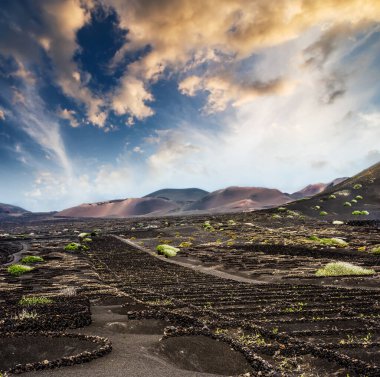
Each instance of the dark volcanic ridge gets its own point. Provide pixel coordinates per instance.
(354, 198)
(8, 209)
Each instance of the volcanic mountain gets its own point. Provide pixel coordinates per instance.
(347, 198)
(8, 209)
(122, 208)
(316, 188)
(241, 198)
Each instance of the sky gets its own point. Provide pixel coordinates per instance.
(118, 98)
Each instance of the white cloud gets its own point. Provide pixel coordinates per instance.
(2, 115)
(138, 150)
(70, 116)
(130, 98)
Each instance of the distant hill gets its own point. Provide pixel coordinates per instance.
(358, 193)
(311, 200)
(8, 209)
(122, 208)
(316, 188)
(179, 195)
(241, 198)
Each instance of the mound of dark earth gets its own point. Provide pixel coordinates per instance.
(241, 198)
(203, 354)
(8, 209)
(346, 199)
(179, 195)
(122, 208)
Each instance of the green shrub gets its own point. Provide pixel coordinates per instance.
(73, 246)
(323, 213)
(375, 250)
(19, 269)
(317, 208)
(360, 213)
(281, 209)
(208, 226)
(87, 239)
(338, 222)
(35, 300)
(167, 250)
(354, 201)
(342, 269)
(231, 222)
(358, 186)
(332, 196)
(30, 259)
(83, 235)
(347, 204)
(276, 216)
(358, 197)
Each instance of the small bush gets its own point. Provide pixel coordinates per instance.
(358, 197)
(281, 209)
(30, 259)
(317, 208)
(35, 300)
(83, 235)
(347, 204)
(358, 186)
(231, 222)
(375, 250)
(323, 213)
(360, 213)
(87, 239)
(276, 216)
(73, 246)
(208, 226)
(332, 196)
(354, 201)
(167, 250)
(342, 269)
(19, 269)
(338, 222)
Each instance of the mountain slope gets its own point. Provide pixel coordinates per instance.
(240, 198)
(358, 193)
(121, 208)
(179, 195)
(8, 209)
(316, 188)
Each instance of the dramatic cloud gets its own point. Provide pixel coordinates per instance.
(223, 90)
(204, 93)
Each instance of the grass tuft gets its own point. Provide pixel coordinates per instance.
(19, 269)
(35, 300)
(30, 259)
(343, 269)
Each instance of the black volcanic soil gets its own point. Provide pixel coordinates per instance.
(30, 349)
(203, 354)
(267, 304)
